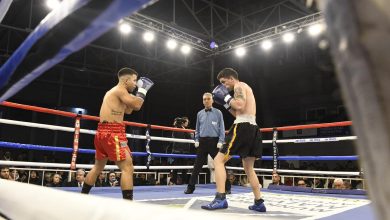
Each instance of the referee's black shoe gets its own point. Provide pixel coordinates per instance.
(190, 189)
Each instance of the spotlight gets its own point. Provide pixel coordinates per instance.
(240, 51)
(52, 4)
(323, 44)
(288, 37)
(315, 29)
(125, 28)
(81, 111)
(148, 36)
(185, 49)
(171, 44)
(266, 45)
(213, 45)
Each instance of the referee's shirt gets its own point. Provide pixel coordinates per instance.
(209, 123)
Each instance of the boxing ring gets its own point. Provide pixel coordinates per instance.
(25, 201)
(283, 202)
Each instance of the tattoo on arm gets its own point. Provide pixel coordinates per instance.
(113, 112)
(238, 93)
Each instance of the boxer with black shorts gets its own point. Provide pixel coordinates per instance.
(244, 137)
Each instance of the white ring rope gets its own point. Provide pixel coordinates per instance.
(143, 137)
(337, 173)
(113, 167)
(89, 166)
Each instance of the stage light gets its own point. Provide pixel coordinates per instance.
(81, 111)
(185, 49)
(323, 44)
(124, 28)
(213, 45)
(288, 37)
(171, 44)
(240, 51)
(148, 36)
(52, 4)
(266, 45)
(315, 29)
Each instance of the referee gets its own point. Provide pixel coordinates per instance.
(209, 138)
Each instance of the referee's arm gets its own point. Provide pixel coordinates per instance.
(197, 128)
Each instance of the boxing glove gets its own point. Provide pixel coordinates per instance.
(221, 96)
(143, 84)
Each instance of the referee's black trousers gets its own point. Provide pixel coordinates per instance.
(207, 145)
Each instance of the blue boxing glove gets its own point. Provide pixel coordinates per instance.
(143, 84)
(221, 96)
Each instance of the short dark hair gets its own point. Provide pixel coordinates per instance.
(178, 122)
(227, 72)
(4, 167)
(126, 71)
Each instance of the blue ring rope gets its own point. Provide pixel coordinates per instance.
(51, 20)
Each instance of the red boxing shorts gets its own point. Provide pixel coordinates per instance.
(110, 141)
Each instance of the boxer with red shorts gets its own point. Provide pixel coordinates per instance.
(110, 139)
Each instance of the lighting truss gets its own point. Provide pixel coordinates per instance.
(147, 23)
(270, 33)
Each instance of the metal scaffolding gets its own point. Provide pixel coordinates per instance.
(147, 23)
(270, 33)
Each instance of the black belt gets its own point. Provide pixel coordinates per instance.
(208, 138)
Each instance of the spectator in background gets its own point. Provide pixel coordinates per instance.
(186, 123)
(23, 176)
(301, 183)
(288, 181)
(180, 148)
(244, 181)
(276, 180)
(47, 178)
(80, 177)
(4, 173)
(118, 176)
(150, 179)
(232, 179)
(308, 181)
(101, 180)
(112, 181)
(34, 178)
(169, 179)
(78, 181)
(140, 180)
(14, 175)
(318, 183)
(338, 183)
(346, 184)
(56, 180)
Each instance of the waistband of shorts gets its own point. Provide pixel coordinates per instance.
(208, 138)
(251, 119)
(111, 126)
